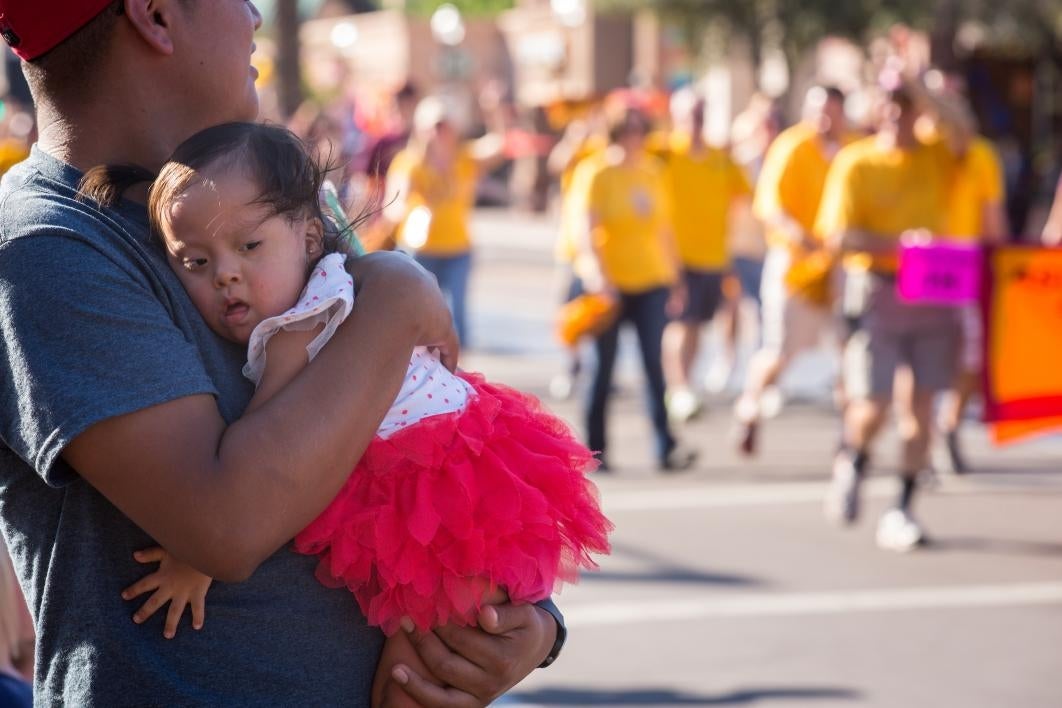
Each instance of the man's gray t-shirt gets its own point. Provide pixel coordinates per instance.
(93, 324)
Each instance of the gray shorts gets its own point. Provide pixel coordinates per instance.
(892, 334)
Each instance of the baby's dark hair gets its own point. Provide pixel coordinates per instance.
(287, 173)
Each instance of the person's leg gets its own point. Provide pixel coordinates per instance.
(648, 315)
(870, 360)
(460, 269)
(681, 342)
(967, 383)
(680, 345)
(605, 347)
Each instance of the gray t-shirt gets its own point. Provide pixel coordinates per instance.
(93, 324)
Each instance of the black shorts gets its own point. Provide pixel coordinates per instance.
(704, 294)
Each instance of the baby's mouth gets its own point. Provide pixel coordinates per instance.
(235, 311)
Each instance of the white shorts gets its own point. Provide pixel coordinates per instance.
(791, 324)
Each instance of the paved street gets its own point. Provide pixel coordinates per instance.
(726, 585)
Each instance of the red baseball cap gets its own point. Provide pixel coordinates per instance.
(34, 27)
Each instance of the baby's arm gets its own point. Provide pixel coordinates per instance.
(174, 582)
(180, 584)
(285, 357)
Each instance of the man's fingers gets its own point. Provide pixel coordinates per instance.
(157, 600)
(428, 694)
(500, 619)
(452, 663)
(145, 584)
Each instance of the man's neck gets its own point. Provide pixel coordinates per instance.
(110, 140)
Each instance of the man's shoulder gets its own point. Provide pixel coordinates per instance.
(34, 203)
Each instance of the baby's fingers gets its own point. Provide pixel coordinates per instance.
(173, 618)
(156, 601)
(145, 584)
(198, 611)
(150, 555)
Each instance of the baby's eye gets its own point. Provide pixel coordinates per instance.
(250, 245)
(193, 263)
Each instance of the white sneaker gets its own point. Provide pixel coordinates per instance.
(898, 531)
(842, 499)
(682, 405)
(718, 377)
(561, 387)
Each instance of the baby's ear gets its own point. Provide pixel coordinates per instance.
(314, 236)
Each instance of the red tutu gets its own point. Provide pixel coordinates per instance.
(441, 512)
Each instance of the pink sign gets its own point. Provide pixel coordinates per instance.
(940, 274)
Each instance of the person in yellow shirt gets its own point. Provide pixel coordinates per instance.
(795, 295)
(434, 179)
(879, 191)
(573, 161)
(704, 183)
(975, 213)
(629, 253)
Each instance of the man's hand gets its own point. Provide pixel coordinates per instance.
(479, 664)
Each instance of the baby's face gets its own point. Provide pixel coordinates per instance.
(239, 263)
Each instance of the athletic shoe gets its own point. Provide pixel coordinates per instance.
(898, 531)
(747, 437)
(678, 459)
(842, 498)
(561, 387)
(682, 405)
(719, 372)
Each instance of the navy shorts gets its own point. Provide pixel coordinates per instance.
(704, 294)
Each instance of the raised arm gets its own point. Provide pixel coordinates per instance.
(224, 498)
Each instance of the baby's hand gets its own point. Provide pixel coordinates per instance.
(173, 582)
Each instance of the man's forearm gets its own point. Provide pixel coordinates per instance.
(864, 241)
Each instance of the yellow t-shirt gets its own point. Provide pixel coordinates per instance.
(448, 196)
(792, 180)
(633, 212)
(574, 183)
(978, 182)
(12, 152)
(885, 191)
(703, 189)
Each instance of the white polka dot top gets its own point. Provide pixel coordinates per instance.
(428, 389)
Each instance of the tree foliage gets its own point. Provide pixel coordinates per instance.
(471, 8)
(794, 25)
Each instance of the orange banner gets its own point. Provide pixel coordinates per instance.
(1022, 310)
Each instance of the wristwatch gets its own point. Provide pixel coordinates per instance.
(562, 631)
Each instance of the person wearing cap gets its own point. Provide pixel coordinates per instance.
(434, 184)
(880, 191)
(121, 413)
(628, 253)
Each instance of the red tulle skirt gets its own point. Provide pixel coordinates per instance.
(445, 510)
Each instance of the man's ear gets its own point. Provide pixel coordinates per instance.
(153, 21)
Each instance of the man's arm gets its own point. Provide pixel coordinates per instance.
(224, 498)
(864, 241)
